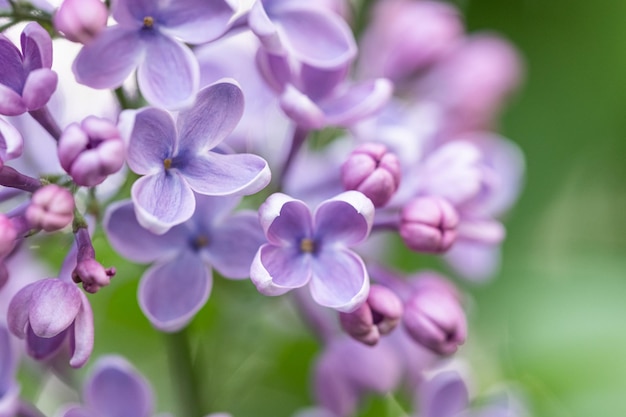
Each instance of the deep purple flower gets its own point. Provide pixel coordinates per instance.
(26, 80)
(305, 248)
(9, 389)
(175, 159)
(307, 32)
(49, 311)
(151, 36)
(179, 281)
(114, 388)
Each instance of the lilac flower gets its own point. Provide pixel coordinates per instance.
(11, 142)
(444, 395)
(149, 37)
(9, 389)
(176, 160)
(26, 80)
(81, 20)
(286, 27)
(305, 248)
(49, 311)
(114, 388)
(178, 283)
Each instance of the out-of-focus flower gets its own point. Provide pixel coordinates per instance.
(372, 170)
(305, 248)
(378, 316)
(114, 388)
(180, 280)
(148, 37)
(11, 142)
(8, 234)
(428, 224)
(48, 312)
(442, 395)
(9, 389)
(26, 80)
(176, 159)
(51, 208)
(81, 20)
(91, 151)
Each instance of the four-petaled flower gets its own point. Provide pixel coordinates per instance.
(305, 248)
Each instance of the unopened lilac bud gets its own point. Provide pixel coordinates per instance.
(91, 151)
(428, 224)
(8, 234)
(51, 208)
(433, 317)
(378, 316)
(372, 170)
(80, 20)
(89, 271)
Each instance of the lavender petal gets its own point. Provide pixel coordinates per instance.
(152, 140)
(82, 334)
(39, 86)
(285, 219)
(276, 270)
(36, 47)
(11, 142)
(196, 21)
(346, 218)
(41, 348)
(11, 103)
(357, 102)
(443, 396)
(54, 307)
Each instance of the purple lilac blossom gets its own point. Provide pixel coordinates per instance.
(48, 312)
(81, 20)
(26, 80)
(151, 36)
(320, 97)
(9, 389)
(305, 248)
(114, 388)
(443, 395)
(286, 27)
(176, 159)
(179, 281)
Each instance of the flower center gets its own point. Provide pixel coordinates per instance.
(148, 21)
(167, 163)
(307, 245)
(201, 241)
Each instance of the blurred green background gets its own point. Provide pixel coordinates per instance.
(553, 321)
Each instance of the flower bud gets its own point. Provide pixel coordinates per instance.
(433, 316)
(378, 316)
(8, 234)
(428, 224)
(372, 170)
(80, 20)
(89, 271)
(91, 151)
(51, 208)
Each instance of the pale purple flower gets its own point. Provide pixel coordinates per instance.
(9, 388)
(91, 151)
(319, 97)
(49, 311)
(26, 80)
(151, 36)
(175, 159)
(179, 281)
(114, 388)
(11, 142)
(443, 395)
(81, 20)
(313, 249)
(309, 33)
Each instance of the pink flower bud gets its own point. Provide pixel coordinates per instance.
(428, 224)
(8, 234)
(81, 20)
(91, 151)
(93, 275)
(434, 318)
(378, 316)
(372, 170)
(51, 208)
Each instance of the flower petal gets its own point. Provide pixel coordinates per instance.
(234, 243)
(11, 142)
(39, 86)
(152, 140)
(8, 360)
(41, 348)
(132, 12)
(115, 388)
(162, 201)
(195, 21)
(36, 47)
(82, 334)
(285, 220)
(11, 103)
(276, 270)
(443, 396)
(301, 109)
(339, 280)
(12, 74)
(110, 58)
(170, 294)
(136, 243)
(18, 311)
(346, 218)
(169, 76)
(218, 174)
(54, 307)
(214, 115)
(357, 102)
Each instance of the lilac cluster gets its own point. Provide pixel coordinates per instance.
(218, 101)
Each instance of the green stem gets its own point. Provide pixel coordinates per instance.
(121, 98)
(182, 371)
(361, 18)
